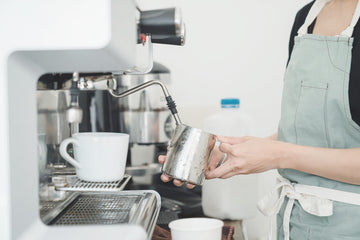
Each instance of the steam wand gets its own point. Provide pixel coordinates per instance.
(111, 83)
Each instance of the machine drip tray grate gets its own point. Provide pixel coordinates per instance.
(166, 217)
(98, 209)
(78, 185)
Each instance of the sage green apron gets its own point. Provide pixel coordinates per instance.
(315, 112)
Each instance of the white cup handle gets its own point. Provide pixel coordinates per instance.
(65, 154)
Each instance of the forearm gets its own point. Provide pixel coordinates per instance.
(337, 164)
(273, 137)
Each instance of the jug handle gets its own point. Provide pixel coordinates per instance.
(64, 153)
(223, 158)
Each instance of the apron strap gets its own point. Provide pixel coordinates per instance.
(314, 200)
(316, 9)
(313, 13)
(350, 29)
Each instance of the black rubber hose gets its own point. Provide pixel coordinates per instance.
(171, 105)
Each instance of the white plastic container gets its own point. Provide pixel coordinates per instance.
(196, 228)
(234, 198)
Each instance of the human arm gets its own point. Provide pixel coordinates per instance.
(273, 136)
(216, 154)
(253, 155)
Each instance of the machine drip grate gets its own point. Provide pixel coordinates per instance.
(47, 207)
(98, 209)
(166, 217)
(84, 186)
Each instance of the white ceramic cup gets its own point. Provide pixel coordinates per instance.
(196, 228)
(99, 157)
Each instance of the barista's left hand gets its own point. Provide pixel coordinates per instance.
(245, 155)
(166, 178)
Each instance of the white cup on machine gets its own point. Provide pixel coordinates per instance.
(98, 157)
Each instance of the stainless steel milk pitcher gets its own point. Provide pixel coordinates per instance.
(188, 154)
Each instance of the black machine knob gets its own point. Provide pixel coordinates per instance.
(164, 25)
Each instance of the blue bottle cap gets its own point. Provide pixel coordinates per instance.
(230, 103)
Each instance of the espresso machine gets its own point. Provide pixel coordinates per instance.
(143, 115)
(53, 61)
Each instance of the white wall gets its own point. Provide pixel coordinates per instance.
(234, 48)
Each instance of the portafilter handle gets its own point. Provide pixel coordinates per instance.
(111, 87)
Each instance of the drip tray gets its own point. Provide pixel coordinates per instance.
(131, 207)
(98, 209)
(72, 183)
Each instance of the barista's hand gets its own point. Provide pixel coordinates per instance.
(166, 178)
(245, 155)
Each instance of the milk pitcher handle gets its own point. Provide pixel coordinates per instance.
(65, 154)
(223, 158)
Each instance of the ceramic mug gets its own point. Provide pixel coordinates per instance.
(98, 157)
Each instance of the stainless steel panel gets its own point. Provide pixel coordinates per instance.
(147, 127)
(143, 116)
(144, 170)
(155, 96)
(52, 105)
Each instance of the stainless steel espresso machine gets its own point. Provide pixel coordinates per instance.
(80, 102)
(52, 88)
(143, 115)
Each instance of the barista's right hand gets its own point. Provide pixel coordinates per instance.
(166, 178)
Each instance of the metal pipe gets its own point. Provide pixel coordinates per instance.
(94, 83)
(138, 88)
(170, 103)
(74, 112)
